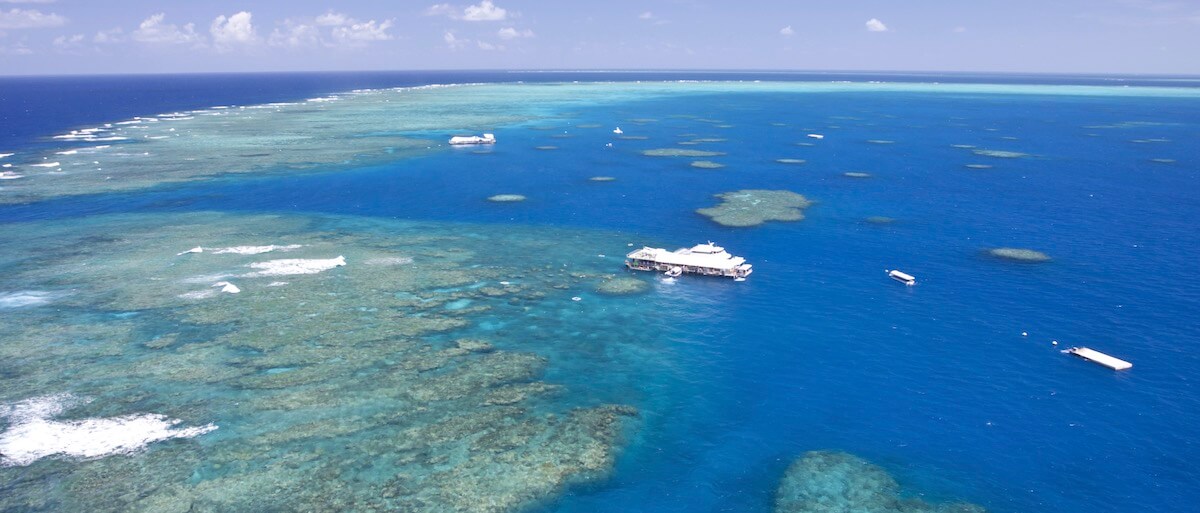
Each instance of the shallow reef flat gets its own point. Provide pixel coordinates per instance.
(1019, 255)
(752, 207)
(836, 482)
(367, 127)
(355, 364)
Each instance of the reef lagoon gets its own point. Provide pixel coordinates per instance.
(287, 292)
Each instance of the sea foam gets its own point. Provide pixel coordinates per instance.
(23, 298)
(33, 433)
(290, 266)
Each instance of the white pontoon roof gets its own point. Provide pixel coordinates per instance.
(688, 257)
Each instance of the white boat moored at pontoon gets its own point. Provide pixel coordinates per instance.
(901, 277)
(705, 259)
(1093, 355)
(473, 139)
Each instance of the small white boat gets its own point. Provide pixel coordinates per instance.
(674, 272)
(902, 277)
(618, 131)
(473, 139)
(816, 136)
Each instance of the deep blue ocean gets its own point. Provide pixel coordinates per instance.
(818, 349)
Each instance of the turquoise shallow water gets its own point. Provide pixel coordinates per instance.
(818, 350)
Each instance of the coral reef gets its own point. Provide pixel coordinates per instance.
(602, 179)
(880, 220)
(376, 384)
(856, 174)
(751, 207)
(506, 198)
(620, 286)
(1001, 154)
(680, 152)
(1019, 254)
(791, 161)
(707, 164)
(835, 482)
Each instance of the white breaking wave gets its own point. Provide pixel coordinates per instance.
(33, 433)
(46, 164)
(6, 155)
(290, 266)
(254, 250)
(23, 298)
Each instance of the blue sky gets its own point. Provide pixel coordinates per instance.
(140, 36)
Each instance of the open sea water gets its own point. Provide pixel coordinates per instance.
(954, 386)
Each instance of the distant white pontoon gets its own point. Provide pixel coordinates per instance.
(901, 277)
(816, 136)
(1093, 355)
(704, 259)
(473, 139)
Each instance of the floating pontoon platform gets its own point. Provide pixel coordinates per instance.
(901, 277)
(1098, 357)
(705, 259)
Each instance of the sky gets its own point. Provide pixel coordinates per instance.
(39, 37)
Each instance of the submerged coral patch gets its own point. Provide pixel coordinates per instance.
(1001, 154)
(620, 286)
(680, 152)
(546, 148)
(602, 179)
(752, 207)
(506, 198)
(880, 220)
(391, 366)
(856, 174)
(1019, 254)
(836, 482)
(707, 164)
(978, 166)
(791, 161)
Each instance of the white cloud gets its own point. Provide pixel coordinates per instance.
(295, 35)
(108, 36)
(440, 10)
(237, 29)
(960, 30)
(512, 33)
(27, 1)
(29, 18)
(17, 49)
(484, 45)
(454, 42)
(333, 19)
(360, 33)
(874, 25)
(646, 15)
(153, 30)
(332, 29)
(485, 11)
(63, 42)
(787, 31)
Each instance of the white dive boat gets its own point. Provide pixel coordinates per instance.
(473, 139)
(704, 259)
(816, 136)
(902, 277)
(618, 131)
